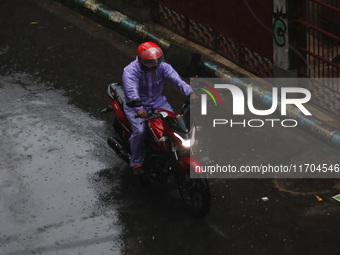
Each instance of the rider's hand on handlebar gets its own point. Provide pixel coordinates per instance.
(142, 114)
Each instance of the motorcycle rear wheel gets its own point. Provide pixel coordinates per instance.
(195, 193)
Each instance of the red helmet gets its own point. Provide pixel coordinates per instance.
(150, 54)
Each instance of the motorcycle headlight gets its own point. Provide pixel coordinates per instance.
(187, 140)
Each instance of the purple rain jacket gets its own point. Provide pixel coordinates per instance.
(148, 85)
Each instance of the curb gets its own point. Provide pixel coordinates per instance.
(313, 125)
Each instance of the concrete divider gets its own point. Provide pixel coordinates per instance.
(183, 58)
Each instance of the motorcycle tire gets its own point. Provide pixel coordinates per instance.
(195, 193)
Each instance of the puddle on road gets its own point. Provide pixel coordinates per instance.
(49, 150)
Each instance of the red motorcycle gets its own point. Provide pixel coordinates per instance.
(168, 149)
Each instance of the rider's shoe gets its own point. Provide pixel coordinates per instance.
(138, 170)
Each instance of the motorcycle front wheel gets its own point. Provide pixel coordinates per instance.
(195, 193)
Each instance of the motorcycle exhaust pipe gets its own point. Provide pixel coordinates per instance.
(119, 149)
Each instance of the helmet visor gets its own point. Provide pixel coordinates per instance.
(152, 57)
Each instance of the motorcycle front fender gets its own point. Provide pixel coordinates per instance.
(190, 163)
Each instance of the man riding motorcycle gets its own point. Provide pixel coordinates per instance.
(143, 79)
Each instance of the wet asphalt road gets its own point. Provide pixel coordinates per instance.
(63, 191)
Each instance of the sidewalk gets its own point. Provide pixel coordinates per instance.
(180, 51)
